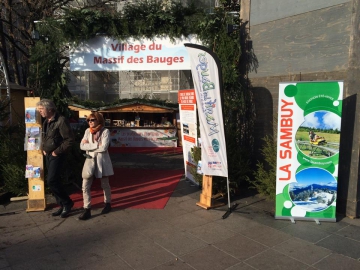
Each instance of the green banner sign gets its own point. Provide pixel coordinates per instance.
(308, 138)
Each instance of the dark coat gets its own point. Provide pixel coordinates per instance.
(57, 135)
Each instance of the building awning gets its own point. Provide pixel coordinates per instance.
(127, 107)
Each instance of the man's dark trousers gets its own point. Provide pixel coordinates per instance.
(54, 167)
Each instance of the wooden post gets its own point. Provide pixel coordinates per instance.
(206, 199)
(36, 198)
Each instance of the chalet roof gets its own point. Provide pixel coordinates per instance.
(131, 106)
(14, 86)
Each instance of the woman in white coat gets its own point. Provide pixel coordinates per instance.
(95, 142)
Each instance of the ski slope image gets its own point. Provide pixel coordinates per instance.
(314, 190)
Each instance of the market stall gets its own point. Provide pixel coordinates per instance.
(135, 124)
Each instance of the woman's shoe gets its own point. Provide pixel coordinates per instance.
(106, 209)
(86, 214)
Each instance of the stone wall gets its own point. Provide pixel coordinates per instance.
(317, 44)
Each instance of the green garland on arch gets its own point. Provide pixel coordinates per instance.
(144, 19)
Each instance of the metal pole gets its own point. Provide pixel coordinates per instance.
(230, 208)
(3, 70)
(228, 189)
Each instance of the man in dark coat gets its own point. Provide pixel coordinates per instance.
(57, 140)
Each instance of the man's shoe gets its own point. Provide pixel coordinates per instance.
(106, 209)
(57, 212)
(67, 209)
(86, 214)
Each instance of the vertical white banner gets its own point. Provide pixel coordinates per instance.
(188, 122)
(206, 72)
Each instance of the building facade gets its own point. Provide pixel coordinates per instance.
(305, 40)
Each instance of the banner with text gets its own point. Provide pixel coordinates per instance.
(308, 139)
(105, 53)
(206, 73)
(188, 122)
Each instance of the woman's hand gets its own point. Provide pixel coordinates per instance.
(84, 141)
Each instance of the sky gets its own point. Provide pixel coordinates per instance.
(323, 120)
(314, 176)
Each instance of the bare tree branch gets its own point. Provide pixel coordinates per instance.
(17, 21)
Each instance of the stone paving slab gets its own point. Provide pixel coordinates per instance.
(210, 257)
(342, 245)
(337, 261)
(305, 231)
(271, 259)
(302, 250)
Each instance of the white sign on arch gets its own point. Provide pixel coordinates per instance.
(108, 54)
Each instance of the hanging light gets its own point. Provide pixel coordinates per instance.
(35, 35)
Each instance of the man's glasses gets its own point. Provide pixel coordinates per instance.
(91, 120)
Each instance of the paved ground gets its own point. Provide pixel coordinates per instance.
(181, 236)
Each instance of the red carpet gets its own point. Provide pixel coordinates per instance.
(135, 188)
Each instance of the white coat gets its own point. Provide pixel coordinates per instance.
(99, 151)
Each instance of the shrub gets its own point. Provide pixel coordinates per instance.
(13, 160)
(196, 156)
(264, 180)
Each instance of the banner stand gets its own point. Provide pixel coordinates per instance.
(207, 201)
(316, 220)
(207, 78)
(36, 196)
(308, 149)
(231, 208)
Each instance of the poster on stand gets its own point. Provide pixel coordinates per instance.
(30, 115)
(32, 138)
(188, 124)
(308, 139)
